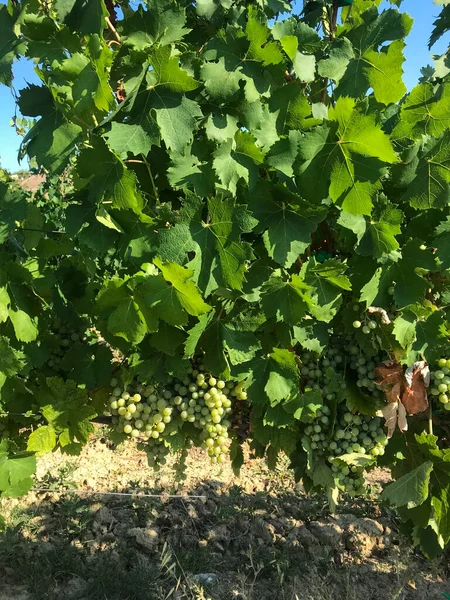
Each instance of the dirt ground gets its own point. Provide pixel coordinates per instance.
(120, 531)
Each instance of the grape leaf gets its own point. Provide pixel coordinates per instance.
(220, 252)
(9, 46)
(42, 440)
(66, 408)
(375, 67)
(227, 343)
(236, 159)
(287, 301)
(15, 473)
(287, 229)
(333, 162)
(430, 188)
(162, 22)
(257, 33)
(25, 327)
(108, 178)
(272, 378)
(425, 111)
(411, 490)
(405, 328)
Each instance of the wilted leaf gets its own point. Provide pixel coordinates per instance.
(415, 398)
(389, 376)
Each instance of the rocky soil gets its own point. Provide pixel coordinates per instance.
(214, 536)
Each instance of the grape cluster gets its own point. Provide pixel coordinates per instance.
(154, 412)
(143, 412)
(363, 321)
(316, 371)
(364, 366)
(62, 336)
(350, 434)
(440, 382)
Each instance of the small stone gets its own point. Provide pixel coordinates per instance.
(104, 516)
(205, 578)
(146, 539)
(192, 513)
(218, 534)
(330, 534)
(304, 536)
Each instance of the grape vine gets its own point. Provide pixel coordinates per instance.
(242, 236)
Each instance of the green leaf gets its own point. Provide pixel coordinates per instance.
(167, 73)
(375, 64)
(220, 254)
(162, 22)
(42, 440)
(287, 229)
(176, 116)
(188, 171)
(344, 159)
(226, 342)
(82, 15)
(312, 337)
(430, 188)
(340, 52)
(11, 360)
(137, 138)
(221, 127)
(441, 24)
(116, 305)
(377, 236)
(9, 45)
(425, 111)
(271, 378)
(287, 301)
(304, 406)
(405, 328)
(257, 33)
(66, 408)
(220, 83)
(25, 327)
(51, 141)
(186, 290)
(326, 281)
(236, 159)
(322, 477)
(442, 243)
(411, 490)
(108, 178)
(15, 474)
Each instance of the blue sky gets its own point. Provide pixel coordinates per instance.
(417, 55)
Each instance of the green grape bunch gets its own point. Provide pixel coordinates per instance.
(152, 413)
(351, 433)
(440, 382)
(62, 337)
(318, 371)
(364, 367)
(363, 321)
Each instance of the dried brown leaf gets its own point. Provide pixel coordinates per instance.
(390, 415)
(415, 397)
(389, 375)
(401, 418)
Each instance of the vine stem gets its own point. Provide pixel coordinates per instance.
(430, 419)
(333, 24)
(113, 29)
(150, 174)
